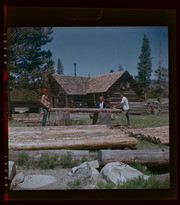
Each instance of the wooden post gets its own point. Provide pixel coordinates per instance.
(95, 117)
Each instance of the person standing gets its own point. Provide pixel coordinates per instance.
(125, 108)
(45, 105)
(101, 103)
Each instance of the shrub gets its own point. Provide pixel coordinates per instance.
(75, 185)
(23, 158)
(67, 160)
(102, 185)
(84, 159)
(141, 168)
(47, 161)
(141, 183)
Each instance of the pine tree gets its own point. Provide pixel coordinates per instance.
(145, 65)
(60, 69)
(120, 68)
(111, 71)
(29, 66)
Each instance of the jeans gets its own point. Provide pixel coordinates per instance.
(44, 116)
(125, 113)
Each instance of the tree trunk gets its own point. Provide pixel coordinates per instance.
(104, 119)
(145, 157)
(59, 118)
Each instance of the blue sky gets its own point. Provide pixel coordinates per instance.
(96, 50)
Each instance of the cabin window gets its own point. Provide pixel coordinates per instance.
(53, 87)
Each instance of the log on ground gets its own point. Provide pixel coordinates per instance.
(73, 137)
(144, 157)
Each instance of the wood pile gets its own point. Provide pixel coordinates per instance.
(154, 107)
(137, 108)
(159, 135)
(64, 137)
(145, 157)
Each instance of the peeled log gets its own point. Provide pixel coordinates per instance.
(145, 157)
(71, 137)
(87, 110)
(90, 142)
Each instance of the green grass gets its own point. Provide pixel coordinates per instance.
(23, 159)
(68, 161)
(137, 183)
(75, 185)
(145, 120)
(46, 161)
(102, 185)
(141, 183)
(145, 144)
(16, 123)
(81, 121)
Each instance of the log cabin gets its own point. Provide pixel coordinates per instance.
(76, 91)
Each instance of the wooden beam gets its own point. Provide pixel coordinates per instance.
(87, 110)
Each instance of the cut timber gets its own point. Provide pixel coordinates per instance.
(35, 154)
(63, 137)
(145, 157)
(59, 118)
(104, 119)
(154, 134)
(87, 110)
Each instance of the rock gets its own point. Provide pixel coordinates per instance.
(118, 172)
(17, 179)
(36, 181)
(94, 164)
(11, 170)
(86, 173)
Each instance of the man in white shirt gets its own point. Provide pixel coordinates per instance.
(125, 108)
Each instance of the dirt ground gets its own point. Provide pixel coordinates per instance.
(59, 173)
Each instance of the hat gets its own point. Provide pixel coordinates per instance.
(43, 91)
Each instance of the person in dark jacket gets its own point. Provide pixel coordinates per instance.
(101, 103)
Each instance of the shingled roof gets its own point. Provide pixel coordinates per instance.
(101, 83)
(75, 85)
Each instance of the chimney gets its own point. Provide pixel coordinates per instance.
(74, 69)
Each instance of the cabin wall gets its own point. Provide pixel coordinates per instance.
(127, 87)
(57, 94)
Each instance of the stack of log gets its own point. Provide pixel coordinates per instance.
(155, 107)
(137, 108)
(159, 135)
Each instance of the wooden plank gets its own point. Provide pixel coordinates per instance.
(145, 157)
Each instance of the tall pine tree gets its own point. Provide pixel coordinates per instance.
(29, 66)
(145, 65)
(60, 69)
(120, 68)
